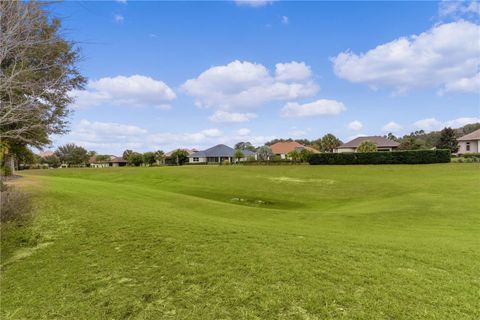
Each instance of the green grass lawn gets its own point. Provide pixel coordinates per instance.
(234, 242)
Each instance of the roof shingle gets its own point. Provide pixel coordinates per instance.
(475, 135)
(220, 150)
(289, 146)
(381, 142)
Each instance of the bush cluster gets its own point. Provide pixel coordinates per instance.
(471, 155)
(466, 159)
(396, 157)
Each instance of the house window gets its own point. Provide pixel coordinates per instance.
(195, 159)
(468, 146)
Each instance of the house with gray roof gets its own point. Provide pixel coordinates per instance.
(218, 154)
(383, 144)
(469, 143)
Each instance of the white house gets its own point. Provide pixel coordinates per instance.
(469, 143)
(218, 154)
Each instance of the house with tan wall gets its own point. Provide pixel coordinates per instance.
(383, 144)
(469, 143)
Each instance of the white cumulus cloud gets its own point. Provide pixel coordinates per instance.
(298, 133)
(185, 138)
(392, 127)
(320, 107)
(114, 138)
(355, 125)
(134, 91)
(292, 71)
(432, 124)
(246, 85)
(243, 131)
(457, 9)
(225, 116)
(107, 137)
(471, 84)
(428, 124)
(438, 58)
(253, 3)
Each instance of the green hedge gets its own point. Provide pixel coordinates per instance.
(396, 157)
(471, 155)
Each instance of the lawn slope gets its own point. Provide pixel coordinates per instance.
(206, 242)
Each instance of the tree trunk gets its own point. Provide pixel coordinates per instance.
(10, 162)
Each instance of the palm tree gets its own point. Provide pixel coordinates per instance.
(238, 155)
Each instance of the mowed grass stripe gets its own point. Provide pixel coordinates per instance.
(132, 244)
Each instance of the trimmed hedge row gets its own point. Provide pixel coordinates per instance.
(396, 157)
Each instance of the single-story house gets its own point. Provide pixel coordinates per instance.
(112, 162)
(469, 143)
(383, 144)
(117, 162)
(282, 149)
(218, 154)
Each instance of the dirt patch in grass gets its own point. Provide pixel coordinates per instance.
(298, 180)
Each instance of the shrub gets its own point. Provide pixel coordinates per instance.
(149, 158)
(15, 205)
(399, 157)
(471, 155)
(135, 159)
(52, 161)
(466, 159)
(6, 171)
(180, 157)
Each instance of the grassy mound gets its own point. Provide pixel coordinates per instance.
(238, 242)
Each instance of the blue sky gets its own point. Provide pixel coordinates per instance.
(164, 75)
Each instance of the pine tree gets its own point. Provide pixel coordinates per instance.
(448, 140)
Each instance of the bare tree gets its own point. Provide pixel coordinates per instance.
(37, 75)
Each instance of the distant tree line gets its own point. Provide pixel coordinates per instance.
(71, 155)
(444, 139)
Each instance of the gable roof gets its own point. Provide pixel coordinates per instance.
(189, 151)
(220, 150)
(313, 150)
(381, 142)
(289, 146)
(285, 147)
(117, 160)
(475, 135)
